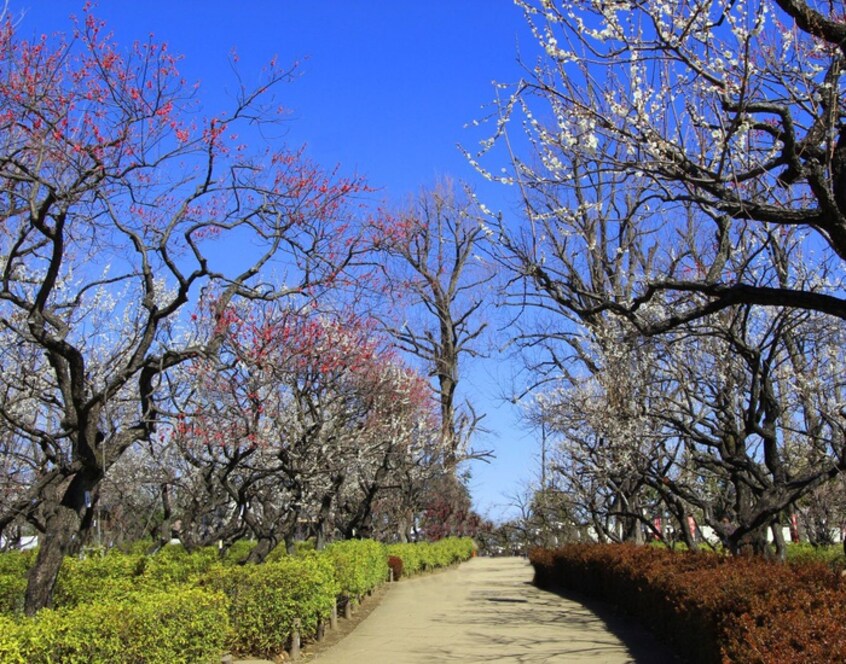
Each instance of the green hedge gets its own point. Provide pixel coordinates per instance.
(14, 566)
(16, 562)
(10, 647)
(97, 577)
(178, 607)
(12, 590)
(411, 556)
(267, 601)
(360, 565)
(173, 564)
(187, 626)
(116, 574)
(238, 552)
(422, 556)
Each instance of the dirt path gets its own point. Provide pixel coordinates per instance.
(486, 610)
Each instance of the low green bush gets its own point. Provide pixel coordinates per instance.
(302, 547)
(802, 552)
(10, 650)
(14, 566)
(238, 551)
(421, 556)
(411, 556)
(97, 577)
(455, 549)
(12, 591)
(268, 601)
(132, 607)
(188, 626)
(16, 562)
(173, 564)
(360, 565)
(114, 574)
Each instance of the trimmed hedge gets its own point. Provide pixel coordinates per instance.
(411, 556)
(238, 552)
(12, 591)
(268, 602)
(155, 628)
(97, 577)
(360, 565)
(14, 566)
(10, 647)
(422, 556)
(173, 564)
(713, 608)
(173, 606)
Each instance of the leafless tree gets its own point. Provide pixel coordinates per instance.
(437, 282)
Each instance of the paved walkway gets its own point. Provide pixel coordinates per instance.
(486, 610)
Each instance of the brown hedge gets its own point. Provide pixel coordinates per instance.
(712, 608)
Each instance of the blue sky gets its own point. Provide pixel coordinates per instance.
(386, 89)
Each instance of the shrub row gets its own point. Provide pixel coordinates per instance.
(712, 608)
(423, 556)
(189, 626)
(360, 565)
(180, 607)
(13, 568)
(268, 602)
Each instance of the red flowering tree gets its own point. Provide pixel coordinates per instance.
(400, 452)
(115, 193)
(448, 510)
(295, 427)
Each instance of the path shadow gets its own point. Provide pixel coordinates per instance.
(643, 645)
(507, 618)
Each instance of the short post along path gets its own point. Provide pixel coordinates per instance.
(486, 610)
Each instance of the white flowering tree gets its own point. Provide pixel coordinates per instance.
(730, 110)
(720, 126)
(734, 420)
(610, 443)
(116, 195)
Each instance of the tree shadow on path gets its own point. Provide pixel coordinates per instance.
(518, 622)
(641, 643)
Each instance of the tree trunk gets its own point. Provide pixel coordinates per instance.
(64, 533)
(404, 527)
(751, 543)
(778, 539)
(320, 535)
(261, 550)
(162, 533)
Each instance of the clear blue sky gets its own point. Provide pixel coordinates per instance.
(386, 88)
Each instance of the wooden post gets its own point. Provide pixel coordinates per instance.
(333, 618)
(295, 642)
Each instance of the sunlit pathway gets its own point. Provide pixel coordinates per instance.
(487, 611)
